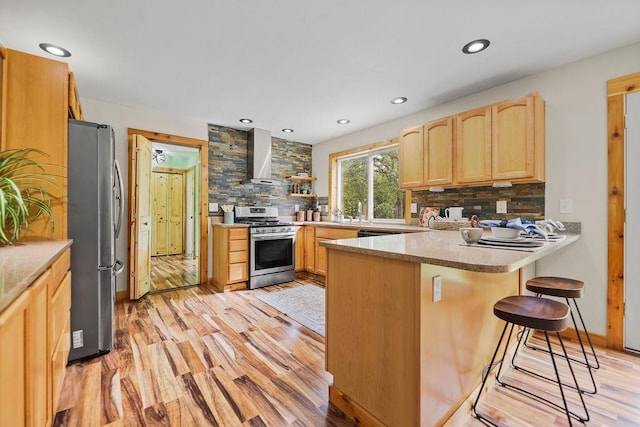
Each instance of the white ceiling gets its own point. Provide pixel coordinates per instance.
(303, 64)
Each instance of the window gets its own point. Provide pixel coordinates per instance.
(370, 177)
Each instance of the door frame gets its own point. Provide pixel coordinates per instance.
(203, 176)
(616, 90)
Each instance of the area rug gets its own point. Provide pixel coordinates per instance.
(304, 304)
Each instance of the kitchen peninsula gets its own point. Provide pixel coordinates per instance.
(400, 353)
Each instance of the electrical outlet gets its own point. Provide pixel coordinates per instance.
(566, 206)
(501, 206)
(436, 292)
(78, 338)
(213, 207)
(414, 208)
(296, 208)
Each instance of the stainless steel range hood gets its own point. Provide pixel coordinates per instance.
(259, 157)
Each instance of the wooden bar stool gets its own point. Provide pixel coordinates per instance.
(569, 289)
(547, 316)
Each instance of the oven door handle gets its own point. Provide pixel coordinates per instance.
(272, 236)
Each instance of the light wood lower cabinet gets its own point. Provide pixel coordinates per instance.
(310, 249)
(230, 257)
(328, 233)
(300, 240)
(34, 347)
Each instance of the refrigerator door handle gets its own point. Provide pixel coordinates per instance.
(119, 198)
(118, 267)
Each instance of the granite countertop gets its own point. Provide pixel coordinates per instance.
(446, 248)
(22, 263)
(376, 226)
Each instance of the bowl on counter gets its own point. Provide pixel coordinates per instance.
(505, 233)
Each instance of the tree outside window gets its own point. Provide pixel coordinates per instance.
(371, 178)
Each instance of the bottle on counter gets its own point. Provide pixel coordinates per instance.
(309, 215)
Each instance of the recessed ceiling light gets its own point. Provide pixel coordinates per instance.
(246, 121)
(476, 46)
(287, 130)
(55, 50)
(343, 121)
(399, 100)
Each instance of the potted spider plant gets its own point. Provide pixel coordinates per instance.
(24, 194)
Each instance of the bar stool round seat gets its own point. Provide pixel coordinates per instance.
(530, 312)
(548, 316)
(556, 287)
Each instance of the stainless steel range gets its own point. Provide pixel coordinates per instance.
(271, 245)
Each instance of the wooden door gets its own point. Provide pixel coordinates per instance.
(175, 209)
(438, 152)
(473, 146)
(159, 211)
(140, 215)
(411, 157)
(513, 139)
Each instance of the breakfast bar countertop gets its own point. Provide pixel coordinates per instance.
(447, 249)
(22, 263)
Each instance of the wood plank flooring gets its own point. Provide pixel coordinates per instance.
(192, 357)
(173, 271)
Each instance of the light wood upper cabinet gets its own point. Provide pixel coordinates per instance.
(517, 149)
(473, 146)
(412, 157)
(500, 142)
(34, 112)
(438, 152)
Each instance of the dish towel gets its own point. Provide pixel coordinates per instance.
(528, 227)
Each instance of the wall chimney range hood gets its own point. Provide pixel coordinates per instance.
(259, 157)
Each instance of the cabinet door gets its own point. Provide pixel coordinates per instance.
(12, 367)
(438, 149)
(299, 265)
(37, 353)
(411, 158)
(473, 146)
(310, 249)
(513, 139)
(321, 257)
(34, 106)
(176, 213)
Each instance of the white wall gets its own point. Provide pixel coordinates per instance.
(121, 118)
(576, 160)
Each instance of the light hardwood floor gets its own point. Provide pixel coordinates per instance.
(192, 357)
(173, 271)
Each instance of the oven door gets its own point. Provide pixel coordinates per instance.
(272, 253)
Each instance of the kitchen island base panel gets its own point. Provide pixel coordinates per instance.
(352, 409)
(417, 361)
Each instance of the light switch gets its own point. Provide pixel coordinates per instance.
(501, 206)
(296, 208)
(213, 207)
(414, 208)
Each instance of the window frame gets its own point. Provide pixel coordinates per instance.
(365, 150)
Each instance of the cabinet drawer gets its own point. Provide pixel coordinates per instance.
(237, 233)
(238, 245)
(60, 267)
(335, 233)
(236, 257)
(60, 309)
(238, 272)
(59, 362)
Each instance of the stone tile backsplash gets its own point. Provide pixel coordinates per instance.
(523, 201)
(228, 173)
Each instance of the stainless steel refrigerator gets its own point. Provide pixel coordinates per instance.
(95, 192)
